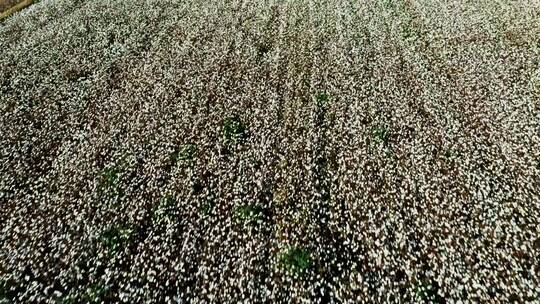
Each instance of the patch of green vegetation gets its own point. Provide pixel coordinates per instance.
(9, 290)
(110, 182)
(249, 212)
(93, 294)
(167, 201)
(4, 289)
(110, 177)
(96, 293)
(410, 30)
(380, 134)
(322, 99)
(295, 260)
(116, 238)
(263, 49)
(166, 205)
(184, 153)
(387, 3)
(428, 292)
(67, 299)
(206, 208)
(233, 129)
(450, 154)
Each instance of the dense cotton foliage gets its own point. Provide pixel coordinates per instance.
(270, 151)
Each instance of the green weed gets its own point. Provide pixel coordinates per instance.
(387, 3)
(263, 49)
(184, 153)
(166, 205)
(249, 212)
(380, 134)
(233, 129)
(410, 30)
(9, 289)
(115, 238)
(322, 99)
(206, 208)
(110, 177)
(295, 259)
(95, 293)
(450, 154)
(428, 292)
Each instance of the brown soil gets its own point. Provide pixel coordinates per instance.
(9, 7)
(7, 4)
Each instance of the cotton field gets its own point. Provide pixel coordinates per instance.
(270, 151)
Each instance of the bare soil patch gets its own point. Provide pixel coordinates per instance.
(9, 7)
(7, 4)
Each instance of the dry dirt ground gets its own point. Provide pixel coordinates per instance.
(10, 7)
(6, 4)
(280, 151)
